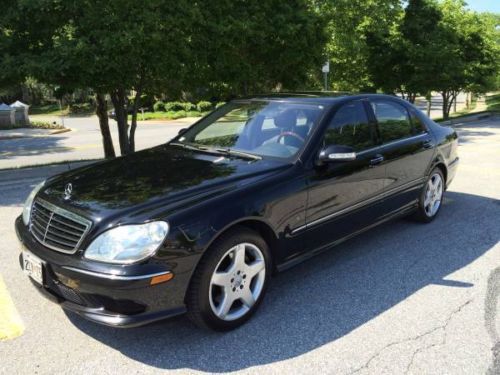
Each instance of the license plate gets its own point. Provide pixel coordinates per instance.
(33, 267)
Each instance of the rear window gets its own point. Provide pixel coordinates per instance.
(393, 120)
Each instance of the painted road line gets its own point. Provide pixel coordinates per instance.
(11, 325)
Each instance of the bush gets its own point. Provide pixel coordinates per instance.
(174, 106)
(80, 108)
(45, 125)
(204, 106)
(219, 104)
(189, 107)
(159, 106)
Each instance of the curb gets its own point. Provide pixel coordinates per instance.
(60, 131)
(40, 171)
(478, 116)
(57, 131)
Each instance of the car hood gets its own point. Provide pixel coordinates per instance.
(163, 176)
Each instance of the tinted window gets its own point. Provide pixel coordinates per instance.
(350, 127)
(418, 125)
(393, 120)
(266, 128)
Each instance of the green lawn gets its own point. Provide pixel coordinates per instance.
(48, 109)
(493, 102)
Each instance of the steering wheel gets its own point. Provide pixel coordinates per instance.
(290, 134)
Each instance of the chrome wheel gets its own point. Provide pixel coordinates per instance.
(433, 195)
(237, 281)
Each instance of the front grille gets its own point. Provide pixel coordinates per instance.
(57, 228)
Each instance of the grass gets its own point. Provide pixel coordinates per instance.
(460, 113)
(53, 109)
(48, 109)
(493, 102)
(171, 115)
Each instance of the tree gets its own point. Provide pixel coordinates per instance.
(468, 57)
(349, 23)
(400, 60)
(247, 47)
(436, 47)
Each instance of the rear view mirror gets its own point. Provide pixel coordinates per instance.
(336, 153)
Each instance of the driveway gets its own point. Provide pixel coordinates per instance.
(402, 298)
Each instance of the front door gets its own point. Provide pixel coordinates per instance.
(343, 197)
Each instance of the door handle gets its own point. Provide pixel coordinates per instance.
(428, 144)
(376, 160)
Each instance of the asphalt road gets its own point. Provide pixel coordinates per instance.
(83, 142)
(402, 298)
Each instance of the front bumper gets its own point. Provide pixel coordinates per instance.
(121, 297)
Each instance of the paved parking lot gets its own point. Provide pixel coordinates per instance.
(402, 298)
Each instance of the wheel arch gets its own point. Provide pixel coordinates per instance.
(258, 225)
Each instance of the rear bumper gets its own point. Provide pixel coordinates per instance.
(452, 171)
(119, 300)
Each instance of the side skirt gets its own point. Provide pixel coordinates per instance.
(403, 211)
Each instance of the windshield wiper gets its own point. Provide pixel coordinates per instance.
(242, 154)
(218, 150)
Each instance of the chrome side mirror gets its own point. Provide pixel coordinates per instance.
(336, 153)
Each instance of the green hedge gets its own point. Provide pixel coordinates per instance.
(204, 106)
(159, 106)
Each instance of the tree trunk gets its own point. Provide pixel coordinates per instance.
(102, 114)
(137, 99)
(446, 111)
(118, 99)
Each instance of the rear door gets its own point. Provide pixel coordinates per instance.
(407, 149)
(343, 197)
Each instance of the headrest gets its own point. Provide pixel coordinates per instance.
(286, 119)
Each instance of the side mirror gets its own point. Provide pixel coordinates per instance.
(334, 153)
(182, 131)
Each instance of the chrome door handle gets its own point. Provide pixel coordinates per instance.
(428, 144)
(377, 160)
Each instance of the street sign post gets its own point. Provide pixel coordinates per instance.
(326, 69)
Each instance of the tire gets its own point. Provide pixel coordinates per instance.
(431, 197)
(233, 272)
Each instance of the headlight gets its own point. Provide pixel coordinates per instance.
(128, 243)
(29, 203)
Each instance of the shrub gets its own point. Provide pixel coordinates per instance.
(204, 106)
(80, 107)
(174, 106)
(189, 106)
(159, 106)
(219, 104)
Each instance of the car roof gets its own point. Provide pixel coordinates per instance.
(313, 97)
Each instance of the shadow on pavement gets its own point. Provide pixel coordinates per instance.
(468, 132)
(13, 148)
(327, 297)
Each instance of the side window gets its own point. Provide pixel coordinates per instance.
(393, 120)
(350, 127)
(418, 125)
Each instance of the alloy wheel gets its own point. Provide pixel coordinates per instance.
(237, 281)
(433, 195)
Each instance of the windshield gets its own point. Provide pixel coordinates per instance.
(261, 128)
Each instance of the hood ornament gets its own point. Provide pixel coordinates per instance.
(67, 191)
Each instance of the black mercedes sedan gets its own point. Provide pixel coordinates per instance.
(199, 224)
